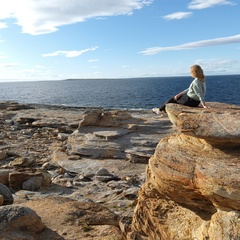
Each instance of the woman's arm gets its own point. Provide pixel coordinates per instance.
(180, 94)
(199, 91)
(203, 104)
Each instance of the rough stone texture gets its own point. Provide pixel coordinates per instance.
(16, 179)
(114, 134)
(17, 222)
(218, 124)
(41, 170)
(192, 188)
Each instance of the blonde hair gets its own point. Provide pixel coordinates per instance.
(197, 72)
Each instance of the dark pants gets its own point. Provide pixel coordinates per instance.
(184, 100)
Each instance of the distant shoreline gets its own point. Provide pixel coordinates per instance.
(134, 78)
(89, 79)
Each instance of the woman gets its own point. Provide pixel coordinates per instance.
(192, 96)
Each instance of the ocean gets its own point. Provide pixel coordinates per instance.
(132, 93)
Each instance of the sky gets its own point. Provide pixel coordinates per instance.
(71, 39)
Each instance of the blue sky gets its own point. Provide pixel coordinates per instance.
(62, 39)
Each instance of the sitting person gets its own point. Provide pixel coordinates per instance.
(192, 96)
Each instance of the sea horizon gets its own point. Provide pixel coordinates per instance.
(107, 78)
(117, 93)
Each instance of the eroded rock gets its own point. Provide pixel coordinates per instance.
(192, 187)
(218, 124)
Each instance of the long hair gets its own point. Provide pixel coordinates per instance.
(197, 72)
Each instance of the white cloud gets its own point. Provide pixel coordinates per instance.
(219, 66)
(93, 60)
(192, 45)
(211, 64)
(9, 65)
(3, 25)
(69, 54)
(177, 15)
(7, 8)
(41, 16)
(200, 4)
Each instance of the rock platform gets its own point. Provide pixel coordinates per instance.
(81, 166)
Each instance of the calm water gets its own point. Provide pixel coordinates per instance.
(137, 93)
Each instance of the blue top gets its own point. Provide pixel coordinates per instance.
(197, 90)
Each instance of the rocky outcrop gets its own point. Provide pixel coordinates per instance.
(192, 188)
(218, 124)
(53, 158)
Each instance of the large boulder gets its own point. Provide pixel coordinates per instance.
(18, 222)
(192, 189)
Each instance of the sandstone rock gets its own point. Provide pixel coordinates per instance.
(219, 124)
(197, 171)
(104, 118)
(192, 188)
(16, 179)
(125, 224)
(20, 162)
(225, 225)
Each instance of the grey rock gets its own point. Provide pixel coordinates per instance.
(17, 218)
(33, 184)
(103, 172)
(6, 194)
